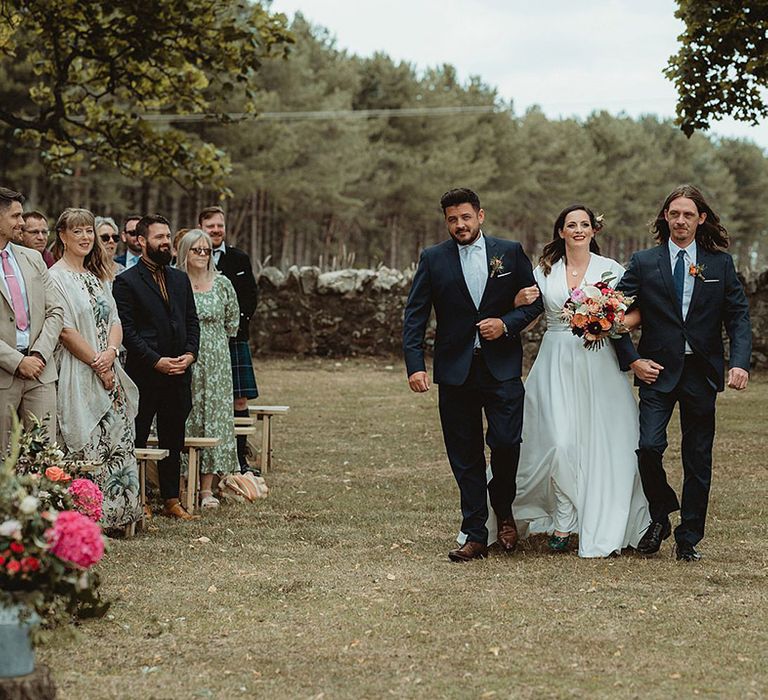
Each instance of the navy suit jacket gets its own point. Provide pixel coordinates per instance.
(151, 328)
(121, 258)
(439, 283)
(718, 300)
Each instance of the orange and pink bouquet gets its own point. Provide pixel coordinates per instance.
(596, 311)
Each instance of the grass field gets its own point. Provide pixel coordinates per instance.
(338, 584)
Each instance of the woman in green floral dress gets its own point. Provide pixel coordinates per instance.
(96, 400)
(219, 316)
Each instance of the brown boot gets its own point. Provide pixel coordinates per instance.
(507, 534)
(470, 550)
(174, 509)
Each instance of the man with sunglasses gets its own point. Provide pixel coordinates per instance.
(34, 235)
(132, 252)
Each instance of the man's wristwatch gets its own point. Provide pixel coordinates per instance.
(504, 328)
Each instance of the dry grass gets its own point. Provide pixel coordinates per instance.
(338, 585)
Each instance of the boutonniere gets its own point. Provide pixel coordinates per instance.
(697, 271)
(497, 266)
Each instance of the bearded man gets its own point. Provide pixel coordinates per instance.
(161, 333)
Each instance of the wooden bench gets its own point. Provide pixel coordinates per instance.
(144, 455)
(193, 445)
(265, 415)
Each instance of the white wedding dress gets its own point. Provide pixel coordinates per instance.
(580, 432)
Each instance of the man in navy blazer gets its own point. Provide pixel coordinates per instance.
(161, 333)
(471, 281)
(687, 290)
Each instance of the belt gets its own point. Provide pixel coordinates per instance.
(25, 351)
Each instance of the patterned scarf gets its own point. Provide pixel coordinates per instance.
(158, 273)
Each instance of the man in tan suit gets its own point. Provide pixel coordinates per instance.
(31, 319)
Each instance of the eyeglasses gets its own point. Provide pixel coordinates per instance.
(107, 236)
(36, 231)
(201, 251)
(130, 233)
(80, 232)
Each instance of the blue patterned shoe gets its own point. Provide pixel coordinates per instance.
(559, 544)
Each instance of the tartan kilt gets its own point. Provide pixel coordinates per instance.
(243, 378)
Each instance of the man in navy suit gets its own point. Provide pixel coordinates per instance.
(471, 281)
(686, 289)
(161, 333)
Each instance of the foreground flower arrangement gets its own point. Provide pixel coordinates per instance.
(49, 536)
(595, 312)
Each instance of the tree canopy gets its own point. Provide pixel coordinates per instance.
(721, 68)
(85, 79)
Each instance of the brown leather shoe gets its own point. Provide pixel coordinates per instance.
(507, 534)
(470, 550)
(174, 509)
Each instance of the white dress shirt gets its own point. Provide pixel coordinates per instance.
(131, 259)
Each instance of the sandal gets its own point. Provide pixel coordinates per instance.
(208, 500)
(558, 543)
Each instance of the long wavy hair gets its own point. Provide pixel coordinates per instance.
(555, 249)
(711, 235)
(96, 260)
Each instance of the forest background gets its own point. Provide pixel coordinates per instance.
(335, 191)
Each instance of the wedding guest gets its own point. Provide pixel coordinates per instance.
(175, 245)
(107, 232)
(471, 281)
(688, 292)
(30, 324)
(577, 462)
(132, 252)
(97, 401)
(219, 316)
(35, 235)
(161, 334)
(236, 266)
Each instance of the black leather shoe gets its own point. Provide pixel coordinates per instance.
(657, 532)
(686, 552)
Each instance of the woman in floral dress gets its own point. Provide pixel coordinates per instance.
(219, 316)
(97, 401)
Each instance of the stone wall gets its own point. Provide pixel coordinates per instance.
(360, 312)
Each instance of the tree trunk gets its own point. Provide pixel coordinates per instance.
(38, 685)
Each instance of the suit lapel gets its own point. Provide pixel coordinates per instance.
(490, 252)
(665, 270)
(703, 261)
(149, 280)
(458, 274)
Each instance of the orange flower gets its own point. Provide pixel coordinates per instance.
(57, 474)
(579, 320)
(605, 324)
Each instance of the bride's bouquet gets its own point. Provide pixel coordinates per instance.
(595, 312)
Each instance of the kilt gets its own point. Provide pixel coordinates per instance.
(243, 378)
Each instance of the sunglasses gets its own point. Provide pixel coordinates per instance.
(107, 236)
(200, 251)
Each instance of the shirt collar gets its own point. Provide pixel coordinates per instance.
(690, 251)
(479, 243)
(221, 249)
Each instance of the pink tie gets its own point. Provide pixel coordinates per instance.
(22, 322)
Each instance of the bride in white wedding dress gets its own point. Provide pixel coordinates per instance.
(578, 467)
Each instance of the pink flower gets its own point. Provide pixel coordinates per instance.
(87, 497)
(76, 539)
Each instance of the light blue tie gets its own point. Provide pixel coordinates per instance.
(679, 276)
(474, 274)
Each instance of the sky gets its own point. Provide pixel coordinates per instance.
(570, 57)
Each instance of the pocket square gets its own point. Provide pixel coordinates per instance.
(708, 281)
(504, 274)
(242, 272)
